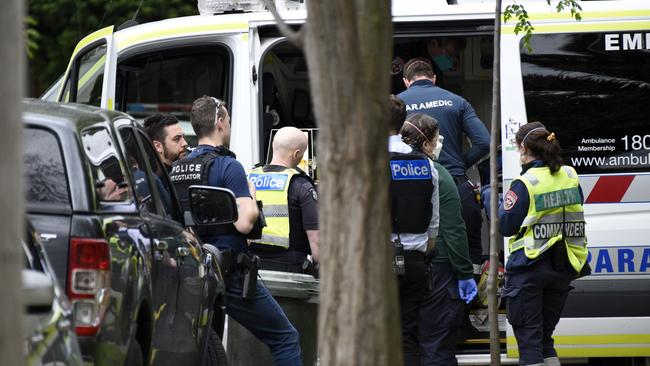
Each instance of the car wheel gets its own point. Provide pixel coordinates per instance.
(216, 354)
(135, 356)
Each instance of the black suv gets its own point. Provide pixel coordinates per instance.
(144, 289)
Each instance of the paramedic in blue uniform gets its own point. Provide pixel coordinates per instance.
(457, 120)
(212, 163)
(414, 216)
(452, 282)
(542, 213)
(291, 208)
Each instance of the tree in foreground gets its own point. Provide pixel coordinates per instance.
(348, 46)
(11, 198)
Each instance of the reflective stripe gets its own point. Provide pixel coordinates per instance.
(274, 240)
(569, 172)
(531, 178)
(567, 216)
(128, 39)
(276, 211)
(583, 27)
(543, 244)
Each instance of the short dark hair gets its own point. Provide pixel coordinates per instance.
(418, 67)
(155, 124)
(397, 113)
(203, 115)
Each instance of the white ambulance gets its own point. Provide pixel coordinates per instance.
(588, 81)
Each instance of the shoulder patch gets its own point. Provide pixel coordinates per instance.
(510, 200)
(314, 194)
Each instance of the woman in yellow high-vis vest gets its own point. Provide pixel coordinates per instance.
(543, 216)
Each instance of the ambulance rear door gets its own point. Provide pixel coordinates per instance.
(588, 82)
(90, 76)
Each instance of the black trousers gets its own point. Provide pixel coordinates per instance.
(535, 298)
(440, 317)
(471, 212)
(413, 290)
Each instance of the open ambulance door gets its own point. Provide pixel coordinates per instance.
(90, 76)
(588, 83)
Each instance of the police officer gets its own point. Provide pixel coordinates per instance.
(451, 269)
(290, 207)
(211, 163)
(542, 212)
(457, 119)
(166, 134)
(414, 215)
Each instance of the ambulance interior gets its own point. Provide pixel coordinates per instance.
(285, 98)
(284, 83)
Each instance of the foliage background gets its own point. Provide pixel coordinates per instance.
(60, 24)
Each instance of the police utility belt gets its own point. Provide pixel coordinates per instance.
(411, 187)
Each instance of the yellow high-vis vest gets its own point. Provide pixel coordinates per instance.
(273, 190)
(554, 213)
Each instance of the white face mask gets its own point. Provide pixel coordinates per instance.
(436, 151)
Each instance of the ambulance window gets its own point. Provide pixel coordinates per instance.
(590, 89)
(89, 73)
(168, 81)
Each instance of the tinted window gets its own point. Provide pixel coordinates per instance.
(108, 177)
(138, 168)
(169, 81)
(45, 176)
(591, 89)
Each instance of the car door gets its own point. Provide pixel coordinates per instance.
(90, 76)
(178, 271)
(192, 294)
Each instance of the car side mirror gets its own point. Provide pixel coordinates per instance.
(38, 291)
(211, 206)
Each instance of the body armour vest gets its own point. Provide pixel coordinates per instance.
(411, 187)
(273, 190)
(196, 171)
(554, 214)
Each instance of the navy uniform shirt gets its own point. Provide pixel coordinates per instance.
(456, 118)
(303, 215)
(226, 172)
(512, 212)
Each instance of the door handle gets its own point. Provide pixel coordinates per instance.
(182, 251)
(160, 245)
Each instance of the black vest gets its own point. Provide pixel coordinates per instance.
(411, 187)
(191, 171)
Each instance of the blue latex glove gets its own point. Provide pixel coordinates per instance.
(467, 290)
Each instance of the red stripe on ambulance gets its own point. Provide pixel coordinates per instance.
(610, 189)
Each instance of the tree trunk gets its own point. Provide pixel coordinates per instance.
(348, 45)
(495, 243)
(11, 198)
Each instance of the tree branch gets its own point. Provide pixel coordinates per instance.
(295, 37)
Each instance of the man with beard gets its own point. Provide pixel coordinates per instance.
(167, 136)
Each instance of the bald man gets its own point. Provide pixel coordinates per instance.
(290, 207)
